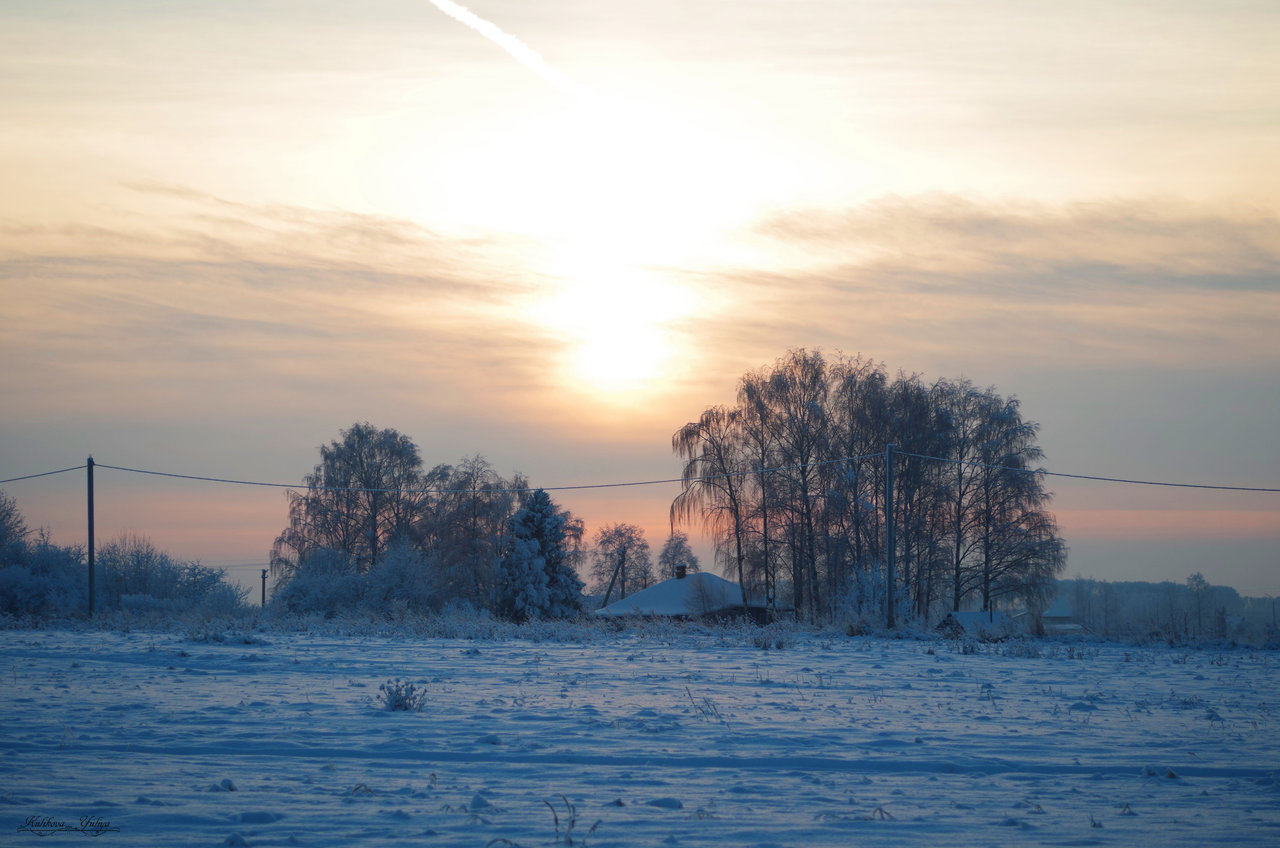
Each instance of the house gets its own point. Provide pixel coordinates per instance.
(982, 624)
(1061, 618)
(698, 595)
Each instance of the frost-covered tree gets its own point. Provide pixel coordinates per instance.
(42, 578)
(370, 497)
(676, 551)
(799, 393)
(464, 526)
(524, 590)
(564, 586)
(360, 498)
(716, 486)
(37, 577)
(537, 580)
(1199, 587)
(621, 559)
(790, 482)
(13, 530)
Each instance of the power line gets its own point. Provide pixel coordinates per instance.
(370, 490)
(772, 470)
(1088, 476)
(217, 479)
(1154, 483)
(43, 474)
(666, 481)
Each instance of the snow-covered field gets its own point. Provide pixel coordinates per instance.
(664, 738)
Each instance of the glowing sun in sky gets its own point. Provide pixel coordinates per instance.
(616, 326)
(615, 197)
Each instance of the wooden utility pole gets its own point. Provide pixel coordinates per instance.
(264, 587)
(890, 542)
(89, 467)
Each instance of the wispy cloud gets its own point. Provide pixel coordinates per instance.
(947, 232)
(236, 305)
(938, 278)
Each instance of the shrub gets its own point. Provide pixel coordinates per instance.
(399, 584)
(326, 582)
(402, 696)
(134, 576)
(43, 579)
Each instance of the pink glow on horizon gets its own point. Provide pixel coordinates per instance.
(1167, 523)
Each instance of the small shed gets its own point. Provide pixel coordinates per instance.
(987, 625)
(1061, 618)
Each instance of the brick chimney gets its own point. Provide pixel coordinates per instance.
(681, 571)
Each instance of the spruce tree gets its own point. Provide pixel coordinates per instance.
(537, 581)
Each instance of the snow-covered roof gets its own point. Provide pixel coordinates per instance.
(1060, 608)
(982, 622)
(698, 594)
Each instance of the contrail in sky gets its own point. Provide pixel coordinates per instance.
(520, 51)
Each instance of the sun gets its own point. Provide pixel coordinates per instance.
(620, 207)
(624, 361)
(616, 325)
(620, 199)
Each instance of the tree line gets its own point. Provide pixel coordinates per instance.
(1190, 611)
(374, 528)
(789, 479)
(40, 578)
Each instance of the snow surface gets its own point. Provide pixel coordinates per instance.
(664, 737)
(696, 594)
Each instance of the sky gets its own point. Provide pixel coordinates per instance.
(551, 234)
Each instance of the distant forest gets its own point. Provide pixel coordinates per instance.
(1191, 611)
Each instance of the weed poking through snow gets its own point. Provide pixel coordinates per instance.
(402, 696)
(570, 822)
(705, 708)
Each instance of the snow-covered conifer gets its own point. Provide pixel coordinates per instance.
(537, 581)
(524, 579)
